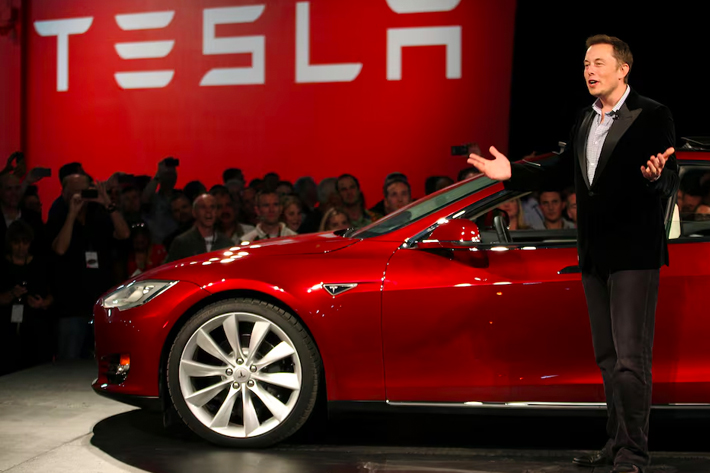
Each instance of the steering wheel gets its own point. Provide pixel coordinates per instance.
(500, 222)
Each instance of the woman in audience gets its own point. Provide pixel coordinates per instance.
(335, 219)
(515, 216)
(292, 214)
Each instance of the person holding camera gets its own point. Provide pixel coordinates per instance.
(82, 230)
(157, 196)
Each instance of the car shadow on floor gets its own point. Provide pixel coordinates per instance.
(398, 443)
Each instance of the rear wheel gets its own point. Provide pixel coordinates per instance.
(243, 373)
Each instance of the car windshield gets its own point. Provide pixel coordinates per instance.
(421, 208)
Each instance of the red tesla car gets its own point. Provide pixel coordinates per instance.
(443, 303)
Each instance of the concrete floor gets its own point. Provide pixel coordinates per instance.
(51, 421)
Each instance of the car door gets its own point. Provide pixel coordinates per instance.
(490, 321)
(681, 351)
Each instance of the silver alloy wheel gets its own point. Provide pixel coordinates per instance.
(240, 356)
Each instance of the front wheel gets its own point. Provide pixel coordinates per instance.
(243, 373)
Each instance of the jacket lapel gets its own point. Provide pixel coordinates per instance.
(581, 150)
(617, 130)
(199, 241)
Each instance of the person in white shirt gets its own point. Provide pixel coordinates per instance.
(268, 210)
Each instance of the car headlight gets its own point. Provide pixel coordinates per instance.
(135, 294)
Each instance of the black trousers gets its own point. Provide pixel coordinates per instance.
(622, 313)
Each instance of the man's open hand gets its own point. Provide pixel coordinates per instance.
(497, 168)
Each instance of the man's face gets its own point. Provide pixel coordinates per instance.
(10, 191)
(225, 210)
(690, 202)
(168, 177)
(181, 210)
(75, 184)
(205, 211)
(602, 71)
(398, 196)
(131, 201)
(20, 249)
(349, 191)
(33, 203)
(572, 207)
(269, 209)
(551, 205)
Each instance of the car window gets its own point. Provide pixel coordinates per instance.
(422, 207)
(691, 216)
(517, 206)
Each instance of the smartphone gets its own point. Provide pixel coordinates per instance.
(459, 150)
(90, 194)
(126, 179)
(172, 162)
(43, 172)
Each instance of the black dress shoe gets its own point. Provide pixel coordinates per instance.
(626, 468)
(595, 459)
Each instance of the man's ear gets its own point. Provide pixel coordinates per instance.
(625, 69)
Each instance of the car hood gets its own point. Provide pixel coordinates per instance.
(189, 268)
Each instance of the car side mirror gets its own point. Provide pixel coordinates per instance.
(456, 233)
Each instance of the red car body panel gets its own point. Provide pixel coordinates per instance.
(141, 333)
(491, 326)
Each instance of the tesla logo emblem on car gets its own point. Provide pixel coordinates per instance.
(337, 289)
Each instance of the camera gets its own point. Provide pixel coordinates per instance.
(89, 194)
(461, 150)
(43, 172)
(127, 179)
(171, 162)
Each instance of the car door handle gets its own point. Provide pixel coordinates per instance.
(570, 270)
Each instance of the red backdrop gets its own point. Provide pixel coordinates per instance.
(368, 126)
(10, 79)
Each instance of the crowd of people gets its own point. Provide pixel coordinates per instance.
(98, 234)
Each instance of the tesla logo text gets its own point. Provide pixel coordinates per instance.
(255, 46)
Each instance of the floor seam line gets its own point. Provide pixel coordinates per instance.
(45, 453)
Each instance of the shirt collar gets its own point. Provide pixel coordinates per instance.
(597, 106)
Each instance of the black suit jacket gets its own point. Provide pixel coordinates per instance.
(191, 243)
(621, 215)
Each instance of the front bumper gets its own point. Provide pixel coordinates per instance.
(140, 334)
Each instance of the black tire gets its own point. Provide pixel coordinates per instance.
(186, 349)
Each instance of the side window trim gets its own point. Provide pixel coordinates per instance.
(487, 204)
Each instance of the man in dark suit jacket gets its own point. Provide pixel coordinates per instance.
(620, 150)
(203, 236)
